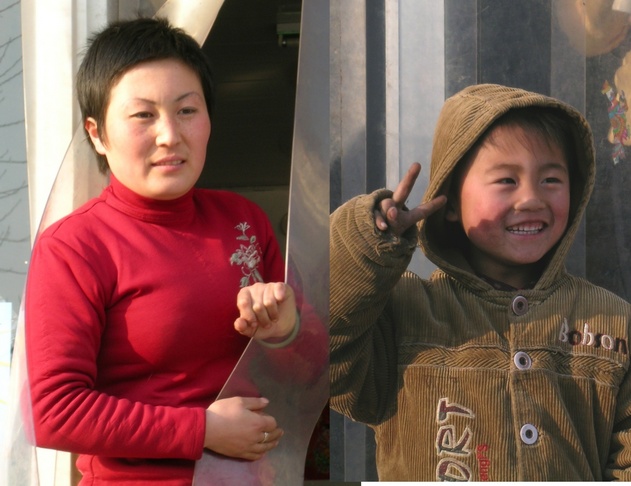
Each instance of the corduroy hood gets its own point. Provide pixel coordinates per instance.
(464, 118)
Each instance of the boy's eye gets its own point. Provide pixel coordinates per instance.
(506, 180)
(554, 180)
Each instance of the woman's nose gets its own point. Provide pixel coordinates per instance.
(168, 131)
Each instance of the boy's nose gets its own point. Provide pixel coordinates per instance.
(529, 199)
(167, 131)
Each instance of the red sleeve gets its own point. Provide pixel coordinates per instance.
(65, 315)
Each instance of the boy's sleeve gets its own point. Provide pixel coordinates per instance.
(365, 266)
(619, 463)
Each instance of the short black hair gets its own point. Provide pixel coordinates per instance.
(125, 44)
(551, 124)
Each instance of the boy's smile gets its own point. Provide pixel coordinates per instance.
(513, 202)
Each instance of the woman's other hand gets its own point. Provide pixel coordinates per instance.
(237, 427)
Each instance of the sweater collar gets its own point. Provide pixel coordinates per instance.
(168, 212)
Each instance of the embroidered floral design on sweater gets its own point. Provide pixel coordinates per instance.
(248, 256)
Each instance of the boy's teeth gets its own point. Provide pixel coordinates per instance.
(526, 229)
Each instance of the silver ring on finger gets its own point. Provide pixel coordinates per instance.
(265, 435)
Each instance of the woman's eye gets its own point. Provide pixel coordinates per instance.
(188, 111)
(142, 114)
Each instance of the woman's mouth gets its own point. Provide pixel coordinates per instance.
(167, 163)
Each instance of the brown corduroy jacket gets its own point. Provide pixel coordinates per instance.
(461, 381)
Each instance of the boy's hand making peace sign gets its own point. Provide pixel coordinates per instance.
(390, 213)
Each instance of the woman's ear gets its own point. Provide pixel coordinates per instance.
(92, 128)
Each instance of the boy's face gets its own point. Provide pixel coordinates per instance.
(156, 129)
(513, 202)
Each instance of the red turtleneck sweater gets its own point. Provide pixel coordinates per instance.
(130, 306)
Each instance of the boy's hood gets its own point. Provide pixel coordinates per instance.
(463, 119)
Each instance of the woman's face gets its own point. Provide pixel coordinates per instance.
(156, 129)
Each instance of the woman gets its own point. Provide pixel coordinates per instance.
(130, 301)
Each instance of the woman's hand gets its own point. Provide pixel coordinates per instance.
(267, 309)
(237, 427)
(390, 214)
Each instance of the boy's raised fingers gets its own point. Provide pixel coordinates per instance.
(424, 210)
(381, 214)
(403, 190)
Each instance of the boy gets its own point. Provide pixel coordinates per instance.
(501, 366)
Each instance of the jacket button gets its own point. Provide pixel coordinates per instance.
(529, 434)
(519, 305)
(522, 361)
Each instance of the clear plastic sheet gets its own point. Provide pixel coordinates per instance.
(294, 378)
(77, 181)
